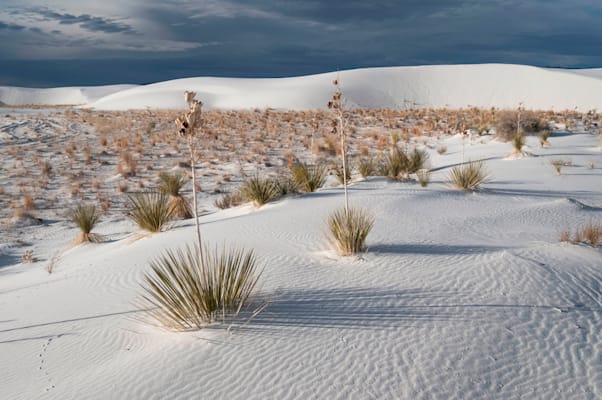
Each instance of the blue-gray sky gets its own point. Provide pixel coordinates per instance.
(69, 42)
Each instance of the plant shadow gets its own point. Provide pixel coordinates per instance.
(432, 249)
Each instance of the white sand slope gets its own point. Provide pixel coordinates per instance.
(441, 86)
(461, 296)
(444, 86)
(56, 96)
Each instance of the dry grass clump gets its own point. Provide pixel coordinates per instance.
(259, 190)
(558, 163)
(366, 167)
(188, 289)
(530, 123)
(349, 230)
(518, 141)
(228, 200)
(424, 176)
(171, 185)
(469, 177)
(308, 178)
(398, 164)
(85, 217)
(151, 211)
(590, 234)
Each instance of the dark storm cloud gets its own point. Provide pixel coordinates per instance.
(275, 38)
(11, 27)
(88, 22)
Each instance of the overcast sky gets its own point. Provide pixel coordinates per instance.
(70, 42)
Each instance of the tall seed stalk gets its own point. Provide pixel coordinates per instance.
(338, 126)
(189, 126)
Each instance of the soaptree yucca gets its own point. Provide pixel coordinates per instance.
(348, 227)
(259, 190)
(187, 290)
(468, 177)
(149, 210)
(308, 178)
(85, 216)
(172, 184)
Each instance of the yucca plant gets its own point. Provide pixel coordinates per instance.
(417, 160)
(171, 184)
(395, 162)
(259, 190)
(424, 176)
(469, 177)
(149, 210)
(228, 200)
(543, 137)
(518, 141)
(188, 290)
(366, 167)
(339, 172)
(85, 216)
(308, 178)
(286, 185)
(349, 230)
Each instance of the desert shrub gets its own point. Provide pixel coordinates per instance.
(441, 150)
(518, 141)
(308, 178)
(85, 218)
(366, 167)
(543, 137)
(286, 185)
(558, 163)
(228, 200)
(259, 190)
(188, 289)
(149, 210)
(339, 173)
(469, 176)
(424, 176)
(506, 125)
(417, 160)
(349, 230)
(589, 233)
(171, 184)
(394, 163)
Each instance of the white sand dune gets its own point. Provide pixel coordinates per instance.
(56, 96)
(441, 86)
(480, 302)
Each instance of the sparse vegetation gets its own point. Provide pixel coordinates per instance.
(187, 290)
(469, 177)
(85, 217)
(149, 210)
(558, 163)
(424, 176)
(172, 184)
(228, 200)
(259, 190)
(589, 233)
(349, 230)
(366, 167)
(308, 178)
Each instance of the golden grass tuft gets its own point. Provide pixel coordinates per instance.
(149, 210)
(349, 230)
(469, 177)
(85, 217)
(188, 289)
